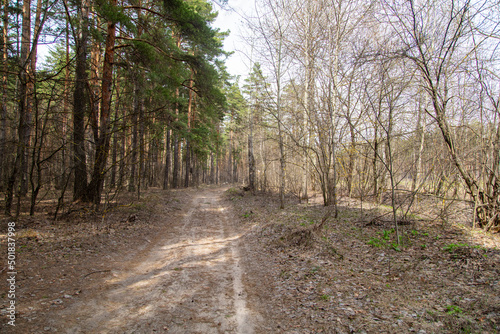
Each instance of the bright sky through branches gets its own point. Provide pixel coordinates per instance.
(231, 17)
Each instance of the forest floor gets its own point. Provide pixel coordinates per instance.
(221, 260)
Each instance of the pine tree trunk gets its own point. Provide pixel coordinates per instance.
(79, 106)
(135, 134)
(212, 168)
(23, 127)
(123, 139)
(61, 181)
(141, 183)
(102, 146)
(175, 172)
(188, 163)
(168, 152)
(38, 141)
(114, 155)
(177, 146)
(26, 98)
(188, 142)
(3, 124)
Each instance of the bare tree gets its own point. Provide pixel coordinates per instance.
(437, 39)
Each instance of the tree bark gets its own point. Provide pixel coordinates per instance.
(3, 125)
(251, 159)
(141, 180)
(177, 147)
(352, 157)
(135, 133)
(102, 145)
(168, 153)
(212, 168)
(23, 128)
(79, 106)
(420, 131)
(188, 141)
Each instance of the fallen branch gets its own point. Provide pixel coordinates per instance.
(319, 226)
(95, 272)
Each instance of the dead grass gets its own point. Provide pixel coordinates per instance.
(353, 277)
(348, 277)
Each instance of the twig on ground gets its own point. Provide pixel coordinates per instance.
(95, 272)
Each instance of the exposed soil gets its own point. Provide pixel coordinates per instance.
(221, 260)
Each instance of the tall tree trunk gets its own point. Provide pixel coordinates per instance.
(95, 93)
(280, 131)
(333, 183)
(305, 161)
(135, 134)
(196, 168)
(177, 148)
(420, 131)
(282, 168)
(102, 146)
(352, 157)
(26, 99)
(114, 154)
(188, 140)
(235, 169)
(212, 168)
(188, 163)
(233, 160)
(307, 102)
(3, 125)
(62, 177)
(123, 140)
(23, 127)
(142, 170)
(217, 164)
(217, 157)
(114, 150)
(374, 163)
(30, 98)
(230, 156)
(28, 87)
(38, 136)
(251, 158)
(79, 106)
(168, 153)
(176, 169)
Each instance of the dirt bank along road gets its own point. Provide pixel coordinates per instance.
(188, 281)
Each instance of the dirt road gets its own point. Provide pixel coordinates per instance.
(188, 281)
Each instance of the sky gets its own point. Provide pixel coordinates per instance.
(231, 18)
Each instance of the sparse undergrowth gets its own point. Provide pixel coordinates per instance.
(353, 277)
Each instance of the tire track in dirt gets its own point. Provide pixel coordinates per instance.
(190, 281)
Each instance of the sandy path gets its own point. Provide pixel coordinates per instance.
(188, 281)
